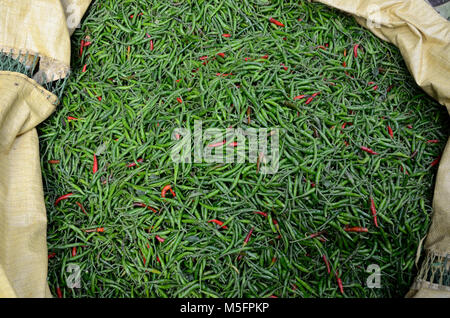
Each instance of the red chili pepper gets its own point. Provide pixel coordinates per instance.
(321, 47)
(84, 68)
(165, 189)
(261, 213)
(63, 197)
(410, 126)
(389, 88)
(222, 55)
(179, 100)
(223, 74)
(299, 97)
(344, 64)
(160, 239)
(284, 66)
(313, 235)
(265, 57)
(81, 48)
(247, 238)
(220, 223)
(99, 229)
(133, 164)
(326, 263)
(81, 207)
(142, 205)
(339, 281)
(309, 100)
(151, 45)
(74, 251)
(203, 58)
(435, 161)
(432, 141)
(375, 87)
(275, 222)
(51, 255)
(87, 43)
(58, 292)
(276, 22)
(69, 118)
(315, 94)
(391, 133)
(368, 150)
(143, 256)
(99, 98)
(95, 165)
(226, 35)
(356, 229)
(374, 211)
(53, 161)
(355, 50)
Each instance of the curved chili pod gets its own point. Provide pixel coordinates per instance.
(356, 229)
(276, 22)
(81, 207)
(220, 223)
(165, 189)
(143, 205)
(63, 197)
(374, 211)
(95, 165)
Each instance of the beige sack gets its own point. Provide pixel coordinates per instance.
(41, 29)
(23, 220)
(423, 37)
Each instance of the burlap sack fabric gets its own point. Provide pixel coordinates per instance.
(42, 28)
(23, 246)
